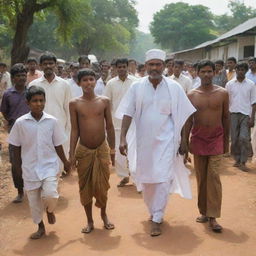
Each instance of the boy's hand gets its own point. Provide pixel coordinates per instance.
(67, 166)
(113, 156)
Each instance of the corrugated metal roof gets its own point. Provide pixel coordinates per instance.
(249, 24)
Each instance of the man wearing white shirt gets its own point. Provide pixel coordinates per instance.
(159, 108)
(76, 90)
(115, 90)
(181, 79)
(58, 93)
(242, 95)
(251, 74)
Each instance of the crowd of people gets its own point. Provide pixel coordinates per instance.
(145, 120)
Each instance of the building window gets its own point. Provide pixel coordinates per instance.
(248, 51)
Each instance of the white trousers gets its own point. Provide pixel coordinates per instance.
(44, 196)
(156, 197)
(121, 165)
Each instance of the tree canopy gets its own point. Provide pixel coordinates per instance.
(82, 26)
(180, 26)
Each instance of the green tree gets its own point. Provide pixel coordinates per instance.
(179, 26)
(239, 14)
(140, 44)
(20, 15)
(107, 29)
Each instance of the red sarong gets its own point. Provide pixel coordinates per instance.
(207, 141)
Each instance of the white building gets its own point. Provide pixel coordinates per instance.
(239, 42)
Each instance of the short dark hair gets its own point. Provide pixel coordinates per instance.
(242, 65)
(3, 64)
(122, 61)
(34, 90)
(31, 59)
(232, 59)
(205, 63)
(84, 57)
(47, 56)
(17, 68)
(85, 72)
(168, 60)
(252, 59)
(140, 67)
(220, 62)
(113, 62)
(179, 62)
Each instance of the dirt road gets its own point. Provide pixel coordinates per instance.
(181, 234)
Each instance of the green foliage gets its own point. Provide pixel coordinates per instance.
(140, 44)
(239, 14)
(180, 26)
(107, 29)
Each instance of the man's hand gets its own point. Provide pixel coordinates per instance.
(183, 149)
(251, 122)
(123, 148)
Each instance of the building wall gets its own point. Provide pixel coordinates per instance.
(242, 42)
(191, 56)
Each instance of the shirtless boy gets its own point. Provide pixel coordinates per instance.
(90, 116)
(209, 140)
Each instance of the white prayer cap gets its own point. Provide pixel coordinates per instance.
(155, 54)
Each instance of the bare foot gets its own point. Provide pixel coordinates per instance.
(123, 182)
(51, 217)
(236, 164)
(202, 219)
(88, 229)
(38, 234)
(213, 224)
(155, 229)
(107, 224)
(18, 199)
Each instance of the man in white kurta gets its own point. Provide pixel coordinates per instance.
(115, 90)
(160, 108)
(58, 95)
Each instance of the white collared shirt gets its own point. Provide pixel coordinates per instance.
(58, 95)
(184, 81)
(37, 140)
(76, 90)
(99, 87)
(115, 91)
(241, 96)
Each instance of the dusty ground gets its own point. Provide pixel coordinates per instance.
(181, 234)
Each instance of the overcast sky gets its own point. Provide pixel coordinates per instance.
(147, 8)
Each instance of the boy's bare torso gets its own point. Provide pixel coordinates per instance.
(91, 121)
(210, 106)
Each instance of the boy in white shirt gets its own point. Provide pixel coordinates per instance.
(37, 139)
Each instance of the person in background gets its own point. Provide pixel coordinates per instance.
(231, 71)
(242, 106)
(132, 67)
(180, 78)
(84, 62)
(33, 72)
(251, 74)
(141, 70)
(169, 66)
(13, 106)
(76, 90)
(220, 76)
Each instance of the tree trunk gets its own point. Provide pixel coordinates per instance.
(20, 50)
(83, 48)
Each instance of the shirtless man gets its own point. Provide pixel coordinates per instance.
(90, 114)
(209, 140)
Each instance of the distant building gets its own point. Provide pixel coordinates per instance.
(239, 42)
